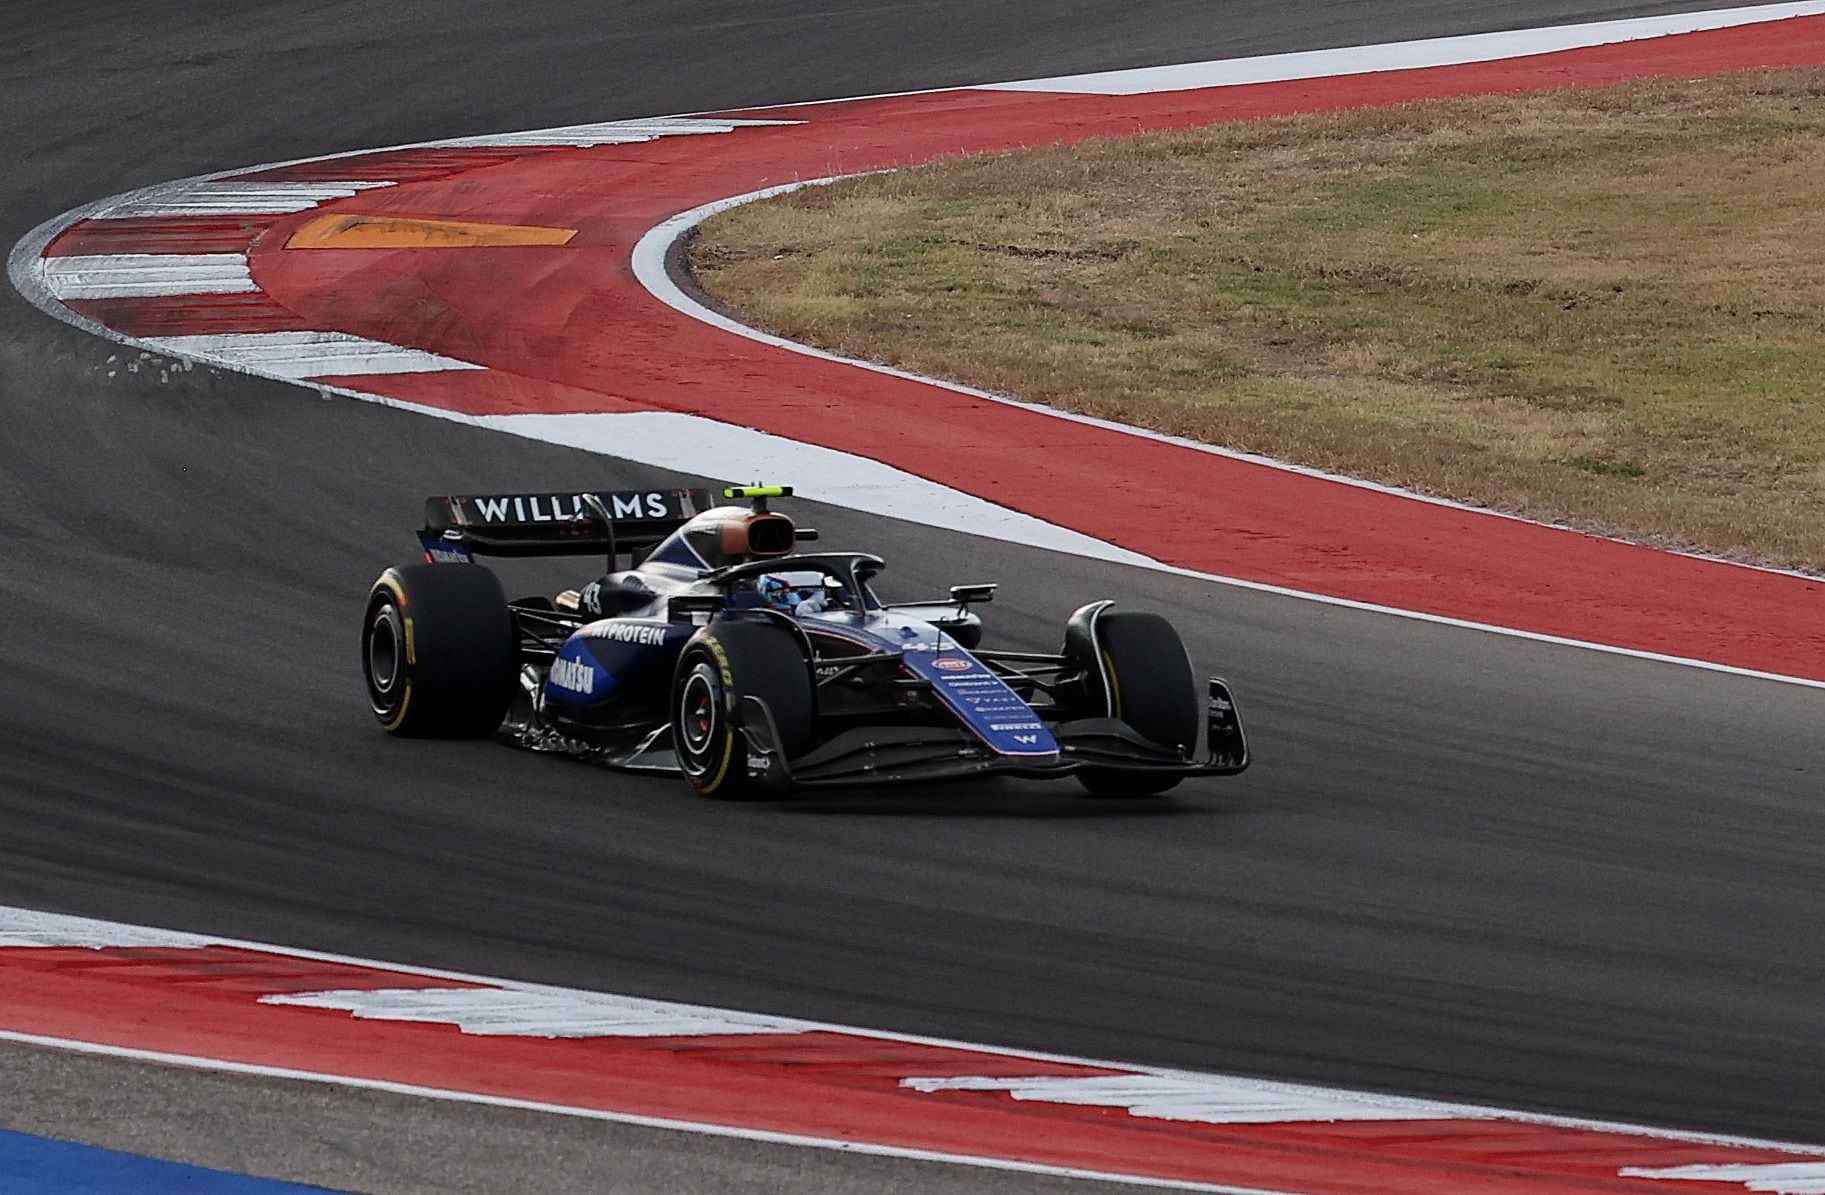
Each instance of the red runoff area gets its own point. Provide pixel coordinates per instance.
(569, 330)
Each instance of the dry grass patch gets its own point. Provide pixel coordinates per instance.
(1603, 307)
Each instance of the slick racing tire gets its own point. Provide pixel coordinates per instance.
(723, 663)
(1150, 687)
(438, 651)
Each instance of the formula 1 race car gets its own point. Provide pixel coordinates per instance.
(724, 653)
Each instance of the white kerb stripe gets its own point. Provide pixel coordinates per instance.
(694, 444)
(1206, 1099)
(298, 355)
(229, 198)
(1394, 56)
(28, 927)
(1781, 1178)
(614, 132)
(506, 1012)
(129, 275)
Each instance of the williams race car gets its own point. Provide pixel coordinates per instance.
(723, 652)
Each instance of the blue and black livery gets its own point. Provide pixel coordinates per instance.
(715, 647)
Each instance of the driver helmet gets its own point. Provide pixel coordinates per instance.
(793, 595)
(779, 593)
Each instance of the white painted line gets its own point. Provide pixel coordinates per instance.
(614, 132)
(1781, 1178)
(214, 197)
(1204, 1099)
(1410, 55)
(708, 447)
(129, 275)
(652, 253)
(506, 1012)
(649, 264)
(653, 250)
(298, 355)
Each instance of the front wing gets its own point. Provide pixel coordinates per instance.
(912, 754)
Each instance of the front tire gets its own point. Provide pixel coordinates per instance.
(1145, 681)
(438, 651)
(722, 664)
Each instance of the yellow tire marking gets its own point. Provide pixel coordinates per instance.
(728, 735)
(405, 703)
(399, 232)
(722, 768)
(389, 581)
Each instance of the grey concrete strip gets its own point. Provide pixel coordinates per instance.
(361, 1140)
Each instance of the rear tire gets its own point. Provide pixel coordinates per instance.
(438, 651)
(722, 664)
(1150, 687)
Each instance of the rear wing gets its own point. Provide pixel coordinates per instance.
(601, 522)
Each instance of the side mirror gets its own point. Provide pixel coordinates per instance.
(964, 595)
(696, 608)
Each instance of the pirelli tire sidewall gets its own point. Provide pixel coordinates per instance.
(723, 663)
(1147, 683)
(438, 651)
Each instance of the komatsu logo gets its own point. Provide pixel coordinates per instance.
(574, 675)
(626, 632)
(569, 508)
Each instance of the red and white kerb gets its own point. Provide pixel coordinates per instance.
(217, 1003)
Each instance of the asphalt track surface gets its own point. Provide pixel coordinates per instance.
(1464, 865)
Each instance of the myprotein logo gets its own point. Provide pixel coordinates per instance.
(568, 508)
(574, 675)
(626, 632)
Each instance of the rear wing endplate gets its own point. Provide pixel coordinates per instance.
(556, 524)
